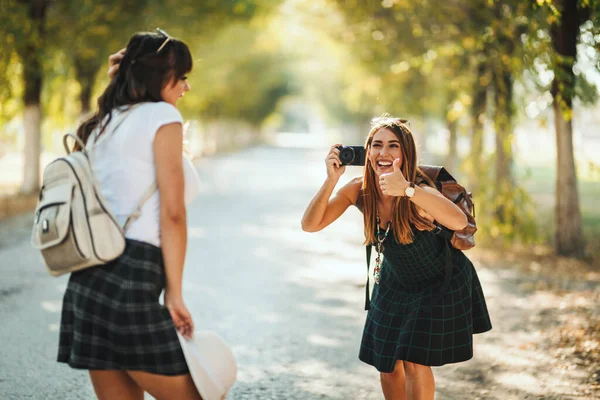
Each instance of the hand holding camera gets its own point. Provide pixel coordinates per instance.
(339, 156)
(335, 169)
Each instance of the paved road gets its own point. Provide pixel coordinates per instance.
(290, 303)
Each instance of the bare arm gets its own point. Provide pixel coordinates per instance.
(322, 210)
(168, 151)
(429, 199)
(439, 207)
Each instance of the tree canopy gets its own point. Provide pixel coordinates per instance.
(476, 69)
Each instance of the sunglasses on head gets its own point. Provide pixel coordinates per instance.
(403, 121)
(395, 120)
(167, 38)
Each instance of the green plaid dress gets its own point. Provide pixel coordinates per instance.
(410, 319)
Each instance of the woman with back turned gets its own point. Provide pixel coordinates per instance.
(414, 322)
(112, 323)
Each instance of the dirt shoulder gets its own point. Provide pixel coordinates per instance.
(16, 204)
(551, 327)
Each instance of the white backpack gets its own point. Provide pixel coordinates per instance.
(73, 228)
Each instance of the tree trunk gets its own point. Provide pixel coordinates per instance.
(569, 235)
(503, 126)
(422, 133)
(452, 155)
(32, 118)
(31, 58)
(565, 35)
(85, 97)
(504, 135)
(478, 111)
(85, 73)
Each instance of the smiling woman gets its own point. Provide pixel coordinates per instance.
(418, 317)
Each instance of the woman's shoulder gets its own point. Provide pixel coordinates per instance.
(352, 189)
(159, 109)
(354, 185)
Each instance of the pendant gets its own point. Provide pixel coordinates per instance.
(376, 274)
(377, 269)
(379, 249)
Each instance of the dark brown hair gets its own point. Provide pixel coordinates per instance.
(142, 74)
(404, 212)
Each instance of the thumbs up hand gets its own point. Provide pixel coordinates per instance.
(393, 183)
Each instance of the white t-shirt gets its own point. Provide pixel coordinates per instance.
(123, 161)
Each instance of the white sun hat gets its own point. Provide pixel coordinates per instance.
(211, 363)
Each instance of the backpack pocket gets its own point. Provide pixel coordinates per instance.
(53, 232)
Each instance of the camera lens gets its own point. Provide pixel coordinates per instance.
(346, 155)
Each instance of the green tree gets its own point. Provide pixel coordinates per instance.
(12, 17)
(37, 32)
(30, 48)
(245, 60)
(566, 18)
(438, 53)
(88, 31)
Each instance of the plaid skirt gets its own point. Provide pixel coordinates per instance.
(410, 319)
(112, 319)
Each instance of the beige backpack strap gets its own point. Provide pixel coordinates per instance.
(138, 209)
(77, 140)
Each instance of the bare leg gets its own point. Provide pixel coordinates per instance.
(420, 384)
(110, 385)
(393, 383)
(163, 387)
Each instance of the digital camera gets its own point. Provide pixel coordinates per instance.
(352, 155)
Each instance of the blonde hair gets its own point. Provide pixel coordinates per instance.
(404, 212)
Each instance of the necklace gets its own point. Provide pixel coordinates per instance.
(379, 248)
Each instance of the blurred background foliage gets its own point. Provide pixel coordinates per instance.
(497, 91)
